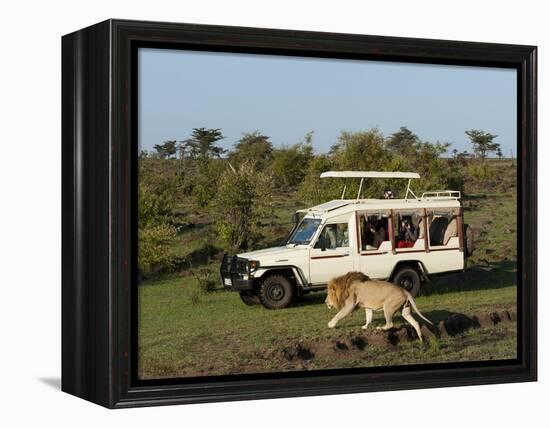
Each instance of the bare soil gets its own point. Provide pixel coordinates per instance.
(354, 346)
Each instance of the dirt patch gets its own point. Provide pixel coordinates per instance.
(355, 345)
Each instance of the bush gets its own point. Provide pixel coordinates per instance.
(363, 151)
(290, 163)
(369, 151)
(481, 171)
(205, 181)
(154, 254)
(154, 208)
(313, 190)
(244, 196)
(206, 280)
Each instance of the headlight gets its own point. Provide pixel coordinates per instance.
(253, 264)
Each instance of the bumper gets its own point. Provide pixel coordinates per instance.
(235, 273)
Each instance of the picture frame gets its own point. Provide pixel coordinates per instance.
(99, 204)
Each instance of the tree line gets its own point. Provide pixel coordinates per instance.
(236, 187)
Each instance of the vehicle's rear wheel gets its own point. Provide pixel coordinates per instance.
(276, 292)
(408, 279)
(249, 297)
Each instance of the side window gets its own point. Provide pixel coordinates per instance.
(443, 225)
(333, 236)
(374, 230)
(408, 228)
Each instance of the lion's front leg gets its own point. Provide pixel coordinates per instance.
(368, 316)
(344, 312)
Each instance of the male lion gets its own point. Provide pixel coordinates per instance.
(354, 289)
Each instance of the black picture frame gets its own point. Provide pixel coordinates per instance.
(99, 157)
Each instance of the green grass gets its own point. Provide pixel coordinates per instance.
(220, 335)
(493, 219)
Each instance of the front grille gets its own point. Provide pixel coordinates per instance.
(241, 265)
(234, 265)
(235, 274)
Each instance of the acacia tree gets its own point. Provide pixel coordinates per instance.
(202, 144)
(482, 142)
(402, 141)
(166, 150)
(253, 147)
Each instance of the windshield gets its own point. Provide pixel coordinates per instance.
(304, 232)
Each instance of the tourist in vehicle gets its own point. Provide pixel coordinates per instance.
(367, 235)
(379, 232)
(388, 194)
(407, 234)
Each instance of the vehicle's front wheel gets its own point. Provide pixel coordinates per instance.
(249, 297)
(408, 279)
(276, 292)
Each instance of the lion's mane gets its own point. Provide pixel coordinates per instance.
(338, 287)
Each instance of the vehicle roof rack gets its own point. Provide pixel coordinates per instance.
(372, 174)
(369, 174)
(441, 194)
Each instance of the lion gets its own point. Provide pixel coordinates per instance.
(354, 289)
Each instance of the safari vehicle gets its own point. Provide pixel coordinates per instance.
(405, 241)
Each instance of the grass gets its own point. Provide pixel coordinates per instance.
(184, 331)
(220, 335)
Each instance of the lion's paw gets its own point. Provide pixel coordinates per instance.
(331, 324)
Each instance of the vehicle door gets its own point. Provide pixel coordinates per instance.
(331, 255)
(375, 245)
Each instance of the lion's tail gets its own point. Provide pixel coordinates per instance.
(415, 308)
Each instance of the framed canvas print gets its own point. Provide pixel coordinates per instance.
(252, 213)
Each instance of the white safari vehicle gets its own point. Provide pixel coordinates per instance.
(404, 241)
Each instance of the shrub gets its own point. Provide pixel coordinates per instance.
(481, 171)
(244, 196)
(154, 254)
(253, 147)
(154, 208)
(369, 151)
(205, 182)
(206, 280)
(313, 190)
(290, 163)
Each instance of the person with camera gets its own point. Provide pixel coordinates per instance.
(407, 234)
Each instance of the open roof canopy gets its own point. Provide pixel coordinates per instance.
(372, 174)
(369, 174)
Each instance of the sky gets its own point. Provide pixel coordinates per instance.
(286, 97)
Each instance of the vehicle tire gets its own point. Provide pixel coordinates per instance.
(249, 297)
(468, 240)
(276, 292)
(408, 279)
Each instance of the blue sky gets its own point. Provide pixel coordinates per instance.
(286, 97)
